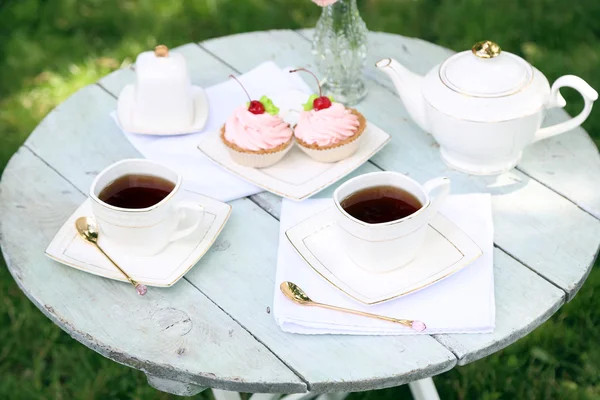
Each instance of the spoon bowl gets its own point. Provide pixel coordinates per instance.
(294, 293)
(86, 227)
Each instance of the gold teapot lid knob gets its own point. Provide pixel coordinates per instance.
(161, 51)
(486, 49)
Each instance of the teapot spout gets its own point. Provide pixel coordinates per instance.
(408, 86)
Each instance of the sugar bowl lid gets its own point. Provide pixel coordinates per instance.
(161, 64)
(486, 71)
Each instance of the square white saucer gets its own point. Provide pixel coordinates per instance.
(296, 176)
(163, 269)
(124, 114)
(447, 249)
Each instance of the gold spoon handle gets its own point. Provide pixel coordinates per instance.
(405, 322)
(130, 279)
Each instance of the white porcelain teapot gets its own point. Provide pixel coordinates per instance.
(484, 105)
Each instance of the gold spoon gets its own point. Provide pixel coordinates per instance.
(297, 295)
(86, 227)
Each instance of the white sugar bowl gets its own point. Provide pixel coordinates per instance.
(484, 105)
(162, 98)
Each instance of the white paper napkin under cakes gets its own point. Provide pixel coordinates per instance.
(461, 303)
(181, 152)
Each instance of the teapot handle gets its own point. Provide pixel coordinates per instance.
(556, 100)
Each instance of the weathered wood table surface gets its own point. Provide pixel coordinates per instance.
(213, 328)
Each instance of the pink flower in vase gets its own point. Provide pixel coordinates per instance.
(324, 3)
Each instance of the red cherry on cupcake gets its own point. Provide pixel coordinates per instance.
(321, 102)
(255, 106)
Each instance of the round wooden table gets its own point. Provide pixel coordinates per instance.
(214, 328)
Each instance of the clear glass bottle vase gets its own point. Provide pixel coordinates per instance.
(340, 51)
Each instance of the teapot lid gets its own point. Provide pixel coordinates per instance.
(486, 71)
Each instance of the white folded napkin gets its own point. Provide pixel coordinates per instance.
(181, 153)
(461, 303)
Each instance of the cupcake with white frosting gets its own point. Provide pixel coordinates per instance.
(255, 135)
(328, 131)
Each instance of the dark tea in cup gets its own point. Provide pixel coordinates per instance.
(136, 191)
(379, 204)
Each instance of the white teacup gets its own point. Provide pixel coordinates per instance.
(144, 231)
(390, 245)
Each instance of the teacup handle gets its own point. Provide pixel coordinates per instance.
(437, 189)
(180, 208)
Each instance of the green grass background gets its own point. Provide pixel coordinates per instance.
(51, 48)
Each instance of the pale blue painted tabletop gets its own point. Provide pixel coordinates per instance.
(214, 328)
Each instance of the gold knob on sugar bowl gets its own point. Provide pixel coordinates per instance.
(161, 51)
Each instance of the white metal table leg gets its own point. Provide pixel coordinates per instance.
(333, 396)
(265, 396)
(424, 389)
(299, 396)
(225, 395)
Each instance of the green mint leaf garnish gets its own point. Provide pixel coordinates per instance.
(309, 103)
(269, 106)
(330, 98)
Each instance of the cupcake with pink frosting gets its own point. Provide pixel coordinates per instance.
(328, 131)
(255, 135)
